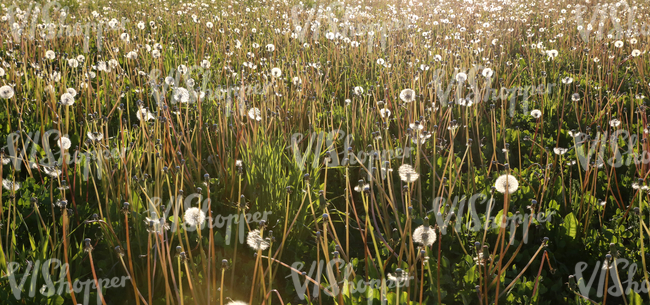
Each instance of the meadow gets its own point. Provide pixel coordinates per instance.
(313, 152)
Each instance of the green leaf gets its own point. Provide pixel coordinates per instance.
(571, 225)
(470, 276)
(56, 300)
(634, 298)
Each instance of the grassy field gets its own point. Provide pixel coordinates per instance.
(285, 152)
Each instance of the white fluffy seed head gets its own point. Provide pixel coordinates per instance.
(506, 183)
(255, 241)
(407, 95)
(67, 99)
(194, 217)
(536, 113)
(407, 173)
(424, 235)
(6, 92)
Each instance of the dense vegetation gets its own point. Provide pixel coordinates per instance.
(437, 152)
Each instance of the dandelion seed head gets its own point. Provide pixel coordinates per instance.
(575, 97)
(67, 99)
(407, 95)
(255, 241)
(6, 92)
(480, 259)
(407, 173)
(10, 185)
(506, 183)
(399, 277)
(461, 77)
(551, 54)
(95, 136)
(194, 217)
(144, 115)
(487, 72)
(51, 171)
(560, 150)
(156, 225)
(255, 114)
(536, 113)
(49, 54)
(424, 235)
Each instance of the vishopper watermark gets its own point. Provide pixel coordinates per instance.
(333, 158)
(347, 28)
(477, 224)
(478, 82)
(17, 157)
(174, 205)
(49, 288)
(617, 31)
(597, 146)
(19, 20)
(400, 279)
(184, 87)
(614, 268)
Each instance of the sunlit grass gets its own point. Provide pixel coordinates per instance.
(450, 152)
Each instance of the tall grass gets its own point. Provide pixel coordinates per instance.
(348, 170)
